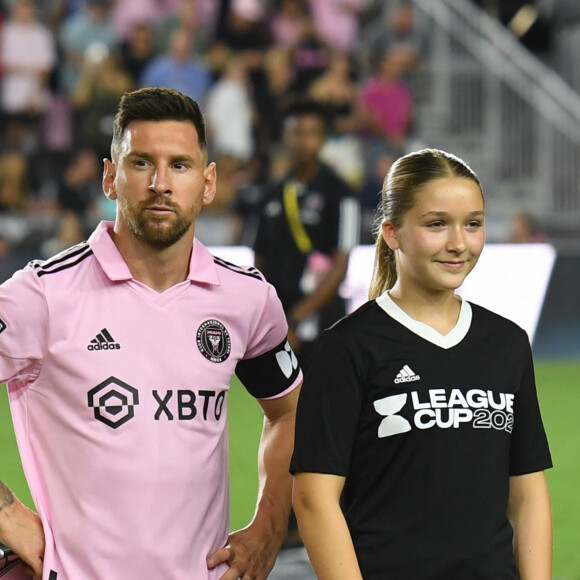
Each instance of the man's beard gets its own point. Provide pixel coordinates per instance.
(145, 227)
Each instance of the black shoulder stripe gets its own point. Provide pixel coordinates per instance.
(42, 272)
(250, 271)
(62, 257)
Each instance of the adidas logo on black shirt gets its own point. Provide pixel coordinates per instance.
(103, 341)
(406, 375)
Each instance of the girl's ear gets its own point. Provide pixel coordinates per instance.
(390, 236)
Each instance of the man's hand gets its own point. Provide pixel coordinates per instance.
(21, 530)
(250, 554)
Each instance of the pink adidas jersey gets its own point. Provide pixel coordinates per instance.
(118, 396)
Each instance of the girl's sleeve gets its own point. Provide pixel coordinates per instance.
(328, 409)
(529, 450)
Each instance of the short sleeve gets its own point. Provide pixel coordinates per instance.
(328, 409)
(23, 316)
(269, 368)
(529, 451)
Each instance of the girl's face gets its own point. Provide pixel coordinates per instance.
(441, 237)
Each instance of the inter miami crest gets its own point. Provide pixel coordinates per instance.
(213, 341)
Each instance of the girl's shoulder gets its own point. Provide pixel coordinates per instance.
(494, 322)
(361, 320)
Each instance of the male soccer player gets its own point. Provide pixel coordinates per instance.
(118, 355)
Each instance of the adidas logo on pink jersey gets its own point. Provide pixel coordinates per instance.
(103, 341)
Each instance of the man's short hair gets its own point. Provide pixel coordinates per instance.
(157, 104)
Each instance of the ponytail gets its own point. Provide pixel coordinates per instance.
(384, 270)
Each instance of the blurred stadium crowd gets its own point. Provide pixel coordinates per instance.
(65, 64)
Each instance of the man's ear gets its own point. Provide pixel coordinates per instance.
(109, 173)
(210, 175)
(390, 234)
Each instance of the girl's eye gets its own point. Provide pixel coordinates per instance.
(474, 224)
(435, 224)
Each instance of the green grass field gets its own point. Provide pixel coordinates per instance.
(559, 393)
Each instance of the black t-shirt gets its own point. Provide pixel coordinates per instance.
(329, 213)
(427, 429)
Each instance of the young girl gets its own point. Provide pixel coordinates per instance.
(420, 448)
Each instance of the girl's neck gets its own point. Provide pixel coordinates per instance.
(439, 310)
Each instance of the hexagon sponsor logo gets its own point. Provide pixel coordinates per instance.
(213, 341)
(113, 402)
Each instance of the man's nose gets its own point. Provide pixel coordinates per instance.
(160, 181)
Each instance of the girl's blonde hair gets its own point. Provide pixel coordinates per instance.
(407, 176)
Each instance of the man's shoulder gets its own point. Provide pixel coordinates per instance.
(238, 273)
(64, 273)
(66, 261)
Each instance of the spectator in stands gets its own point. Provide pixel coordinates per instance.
(126, 14)
(336, 89)
(385, 106)
(89, 26)
(14, 186)
(278, 88)
(137, 50)
(197, 16)
(242, 29)
(96, 97)
(310, 56)
(80, 185)
(230, 122)
(395, 23)
(286, 22)
(179, 69)
(28, 54)
(337, 22)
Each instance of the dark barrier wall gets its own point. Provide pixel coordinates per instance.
(558, 331)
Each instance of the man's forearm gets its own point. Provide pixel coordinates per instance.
(21, 530)
(275, 492)
(275, 451)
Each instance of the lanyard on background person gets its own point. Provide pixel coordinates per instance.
(297, 229)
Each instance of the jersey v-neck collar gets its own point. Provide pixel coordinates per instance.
(449, 340)
(202, 268)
